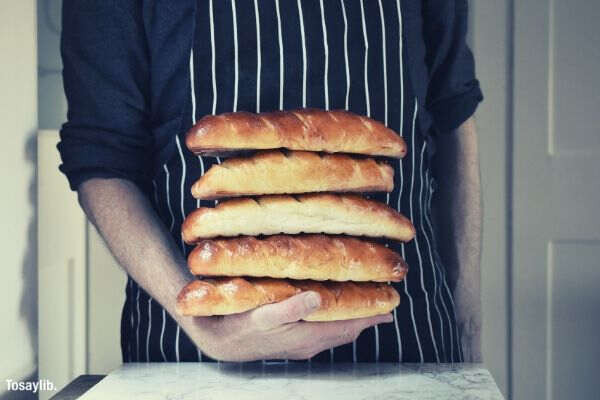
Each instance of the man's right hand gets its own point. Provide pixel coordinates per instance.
(274, 331)
(122, 212)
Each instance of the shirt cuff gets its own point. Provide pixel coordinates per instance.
(450, 113)
(83, 161)
(76, 178)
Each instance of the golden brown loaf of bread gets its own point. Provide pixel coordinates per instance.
(316, 257)
(306, 129)
(275, 172)
(339, 300)
(308, 213)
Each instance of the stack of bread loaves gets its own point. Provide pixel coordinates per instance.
(289, 236)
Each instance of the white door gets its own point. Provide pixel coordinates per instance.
(556, 194)
(81, 286)
(62, 272)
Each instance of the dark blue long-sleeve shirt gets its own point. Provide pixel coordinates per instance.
(122, 59)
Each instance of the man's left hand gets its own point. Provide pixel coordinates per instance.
(459, 215)
(468, 320)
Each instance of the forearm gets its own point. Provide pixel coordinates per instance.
(459, 216)
(136, 237)
(145, 249)
(458, 204)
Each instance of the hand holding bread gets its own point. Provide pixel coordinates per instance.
(274, 331)
(339, 300)
(255, 256)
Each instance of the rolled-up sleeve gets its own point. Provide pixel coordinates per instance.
(106, 80)
(453, 92)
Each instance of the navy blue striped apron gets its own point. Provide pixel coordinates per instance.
(283, 54)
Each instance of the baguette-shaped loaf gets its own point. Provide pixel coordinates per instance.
(275, 172)
(308, 213)
(316, 257)
(339, 300)
(306, 129)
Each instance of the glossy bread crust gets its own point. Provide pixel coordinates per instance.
(306, 129)
(276, 172)
(308, 213)
(339, 300)
(316, 257)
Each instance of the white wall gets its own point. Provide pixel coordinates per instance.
(52, 103)
(18, 124)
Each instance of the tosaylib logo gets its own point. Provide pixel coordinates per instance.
(42, 385)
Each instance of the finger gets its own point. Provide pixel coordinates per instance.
(325, 335)
(465, 351)
(357, 324)
(314, 337)
(477, 356)
(290, 310)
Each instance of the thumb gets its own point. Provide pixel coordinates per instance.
(290, 310)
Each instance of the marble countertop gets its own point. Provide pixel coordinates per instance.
(222, 381)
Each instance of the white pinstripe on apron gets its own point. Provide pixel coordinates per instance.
(268, 55)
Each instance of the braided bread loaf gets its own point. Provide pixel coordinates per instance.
(339, 300)
(317, 257)
(273, 172)
(306, 129)
(309, 213)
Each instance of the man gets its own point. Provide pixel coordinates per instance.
(138, 74)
